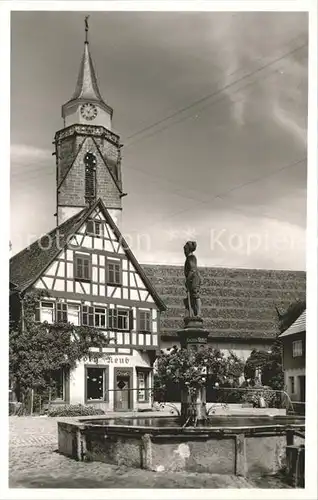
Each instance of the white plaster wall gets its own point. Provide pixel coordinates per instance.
(77, 378)
(294, 372)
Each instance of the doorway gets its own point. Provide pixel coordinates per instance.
(302, 388)
(123, 386)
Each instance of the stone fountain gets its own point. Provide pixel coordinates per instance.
(231, 444)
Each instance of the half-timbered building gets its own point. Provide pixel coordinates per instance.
(85, 267)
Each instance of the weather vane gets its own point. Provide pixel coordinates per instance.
(86, 28)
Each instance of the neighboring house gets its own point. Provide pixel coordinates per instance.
(90, 275)
(294, 359)
(239, 306)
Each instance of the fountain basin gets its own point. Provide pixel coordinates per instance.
(226, 445)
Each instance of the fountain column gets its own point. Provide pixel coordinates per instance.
(193, 337)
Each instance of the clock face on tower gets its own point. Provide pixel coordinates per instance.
(88, 111)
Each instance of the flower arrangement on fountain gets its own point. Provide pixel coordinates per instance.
(194, 370)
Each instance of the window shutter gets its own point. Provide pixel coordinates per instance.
(91, 316)
(131, 320)
(88, 316)
(61, 312)
(112, 319)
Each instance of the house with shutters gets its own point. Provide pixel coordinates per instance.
(294, 359)
(90, 275)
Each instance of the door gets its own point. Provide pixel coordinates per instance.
(122, 392)
(302, 388)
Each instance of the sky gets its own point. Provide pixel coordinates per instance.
(211, 109)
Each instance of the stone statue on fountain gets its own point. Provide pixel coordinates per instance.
(192, 301)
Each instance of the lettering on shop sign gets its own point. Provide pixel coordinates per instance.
(122, 360)
(197, 340)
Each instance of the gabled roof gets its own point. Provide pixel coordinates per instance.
(29, 264)
(237, 304)
(298, 326)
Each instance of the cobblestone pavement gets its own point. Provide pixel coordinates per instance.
(35, 463)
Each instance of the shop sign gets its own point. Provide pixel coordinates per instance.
(118, 360)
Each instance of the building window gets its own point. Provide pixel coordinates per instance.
(100, 317)
(114, 273)
(142, 386)
(297, 348)
(291, 385)
(47, 312)
(82, 267)
(145, 321)
(73, 314)
(68, 313)
(95, 384)
(94, 316)
(94, 228)
(123, 319)
(120, 319)
(58, 379)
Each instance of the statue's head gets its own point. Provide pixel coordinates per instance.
(189, 247)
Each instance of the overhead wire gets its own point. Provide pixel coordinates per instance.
(187, 117)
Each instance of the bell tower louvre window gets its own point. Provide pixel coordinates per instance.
(90, 177)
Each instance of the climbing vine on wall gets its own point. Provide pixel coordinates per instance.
(38, 350)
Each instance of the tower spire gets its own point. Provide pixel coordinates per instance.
(86, 28)
(87, 92)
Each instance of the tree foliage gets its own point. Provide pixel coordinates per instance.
(270, 365)
(194, 369)
(292, 313)
(38, 350)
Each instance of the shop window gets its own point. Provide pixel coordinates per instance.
(142, 386)
(297, 348)
(96, 384)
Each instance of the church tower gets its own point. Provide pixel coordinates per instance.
(88, 153)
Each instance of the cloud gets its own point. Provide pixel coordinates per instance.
(226, 238)
(243, 45)
(22, 154)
